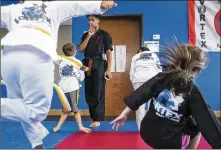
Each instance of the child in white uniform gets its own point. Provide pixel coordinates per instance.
(145, 65)
(71, 76)
(28, 55)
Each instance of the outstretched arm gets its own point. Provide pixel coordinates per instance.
(137, 98)
(143, 94)
(64, 10)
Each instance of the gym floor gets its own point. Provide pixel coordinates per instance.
(69, 137)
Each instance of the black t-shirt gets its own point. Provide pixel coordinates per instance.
(164, 123)
(99, 43)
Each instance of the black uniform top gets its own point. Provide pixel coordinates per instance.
(163, 125)
(99, 43)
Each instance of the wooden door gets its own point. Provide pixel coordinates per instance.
(124, 31)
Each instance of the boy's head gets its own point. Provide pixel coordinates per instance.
(93, 20)
(69, 49)
(143, 49)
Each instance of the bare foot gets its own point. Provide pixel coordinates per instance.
(95, 124)
(85, 130)
(56, 129)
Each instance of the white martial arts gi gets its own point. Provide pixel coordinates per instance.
(144, 66)
(70, 75)
(27, 60)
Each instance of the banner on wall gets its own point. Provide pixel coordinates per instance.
(204, 24)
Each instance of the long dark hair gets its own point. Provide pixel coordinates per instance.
(182, 63)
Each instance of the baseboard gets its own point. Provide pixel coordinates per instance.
(58, 112)
(85, 112)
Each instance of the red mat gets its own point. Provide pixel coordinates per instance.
(109, 140)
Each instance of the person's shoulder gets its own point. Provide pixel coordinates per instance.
(11, 6)
(194, 87)
(154, 54)
(105, 32)
(135, 56)
(85, 33)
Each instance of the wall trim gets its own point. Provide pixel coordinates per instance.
(58, 112)
(85, 112)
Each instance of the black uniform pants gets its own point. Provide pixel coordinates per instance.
(95, 92)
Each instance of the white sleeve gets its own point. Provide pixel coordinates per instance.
(132, 70)
(64, 10)
(157, 62)
(5, 16)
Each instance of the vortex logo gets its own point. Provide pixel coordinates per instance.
(217, 22)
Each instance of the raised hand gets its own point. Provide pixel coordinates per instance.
(108, 4)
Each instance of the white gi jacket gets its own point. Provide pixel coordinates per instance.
(144, 66)
(22, 20)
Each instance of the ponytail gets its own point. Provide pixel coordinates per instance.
(182, 63)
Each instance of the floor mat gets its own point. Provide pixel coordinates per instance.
(110, 140)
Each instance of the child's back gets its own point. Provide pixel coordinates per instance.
(165, 120)
(70, 75)
(144, 66)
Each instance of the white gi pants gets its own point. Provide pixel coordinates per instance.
(28, 75)
(141, 112)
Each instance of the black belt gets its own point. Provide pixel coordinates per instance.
(93, 58)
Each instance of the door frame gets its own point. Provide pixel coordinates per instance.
(130, 17)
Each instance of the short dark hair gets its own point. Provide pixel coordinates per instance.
(69, 49)
(94, 15)
(144, 49)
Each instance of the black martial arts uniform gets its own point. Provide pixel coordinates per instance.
(169, 117)
(95, 52)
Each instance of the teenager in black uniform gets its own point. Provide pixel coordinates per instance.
(178, 107)
(97, 46)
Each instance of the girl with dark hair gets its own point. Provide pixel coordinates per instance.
(178, 107)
